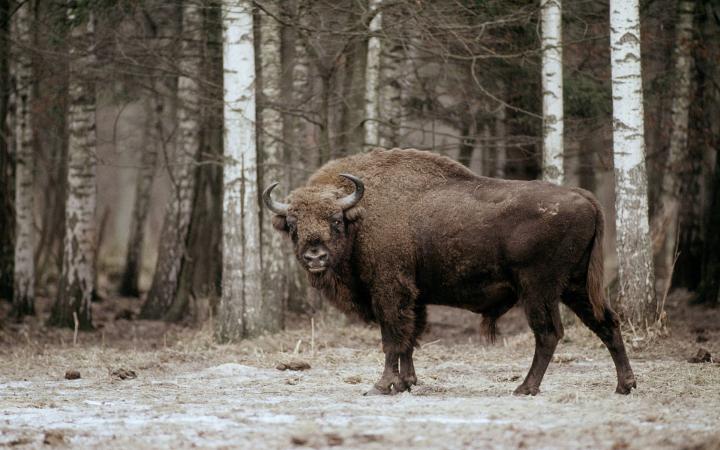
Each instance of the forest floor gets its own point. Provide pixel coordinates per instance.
(191, 392)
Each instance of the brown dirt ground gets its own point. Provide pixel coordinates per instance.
(191, 392)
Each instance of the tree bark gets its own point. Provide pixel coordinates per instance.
(372, 78)
(7, 173)
(174, 235)
(500, 138)
(296, 86)
(24, 265)
(77, 282)
(273, 169)
(635, 263)
(552, 88)
(665, 222)
(390, 106)
(240, 307)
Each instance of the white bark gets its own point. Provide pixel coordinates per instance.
(635, 263)
(372, 77)
(390, 105)
(178, 213)
(666, 218)
(24, 276)
(240, 303)
(274, 268)
(78, 270)
(552, 87)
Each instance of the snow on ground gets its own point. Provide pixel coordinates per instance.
(462, 403)
(190, 392)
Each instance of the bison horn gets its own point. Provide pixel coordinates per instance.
(351, 200)
(278, 208)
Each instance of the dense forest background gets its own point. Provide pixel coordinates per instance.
(456, 77)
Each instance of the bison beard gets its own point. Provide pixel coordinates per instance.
(386, 233)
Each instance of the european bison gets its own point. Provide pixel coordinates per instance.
(384, 234)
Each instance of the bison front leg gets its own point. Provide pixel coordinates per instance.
(394, 308)
(390, 382)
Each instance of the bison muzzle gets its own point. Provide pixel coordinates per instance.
(386, 233)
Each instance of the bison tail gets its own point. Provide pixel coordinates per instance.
(489, 328)
(596, 263)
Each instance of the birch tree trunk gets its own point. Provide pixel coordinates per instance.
(390, 106)
(24, 265)
(7, 183)
(665, 223)
(240, 305)
(552, 87)
(78, 268)
(635, 263)
(273, 169)
(372, 77)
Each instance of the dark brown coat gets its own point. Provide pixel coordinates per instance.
(429, 231)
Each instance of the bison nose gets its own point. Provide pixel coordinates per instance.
(315, 255)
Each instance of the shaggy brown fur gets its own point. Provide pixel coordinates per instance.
(429, 231)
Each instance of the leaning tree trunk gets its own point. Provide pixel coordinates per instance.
(635, 262)
(143, 185)
(78, 268)
(552, 90)
(372, 78)
(240, 308)
(154, 106)
(24, 277)
(665, 222)
(173, 238)
(7, 176)
(273, 169)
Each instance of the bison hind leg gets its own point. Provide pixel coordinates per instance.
(607, 328)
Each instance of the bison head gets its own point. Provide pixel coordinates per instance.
(320, 221)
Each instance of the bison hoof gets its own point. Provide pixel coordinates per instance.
(409, 380)
(626, 386)
(526, 390)
(384, 388)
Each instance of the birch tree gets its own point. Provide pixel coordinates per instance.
(173, 238)
(78, 267)
(372, 77)
(552, 89)
(635, 263)
(270, 139)
(242, 291)
(24, 265)
(390, 106)
(665, 223)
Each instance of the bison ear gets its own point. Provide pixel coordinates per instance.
(354, 213)
(279, 223)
